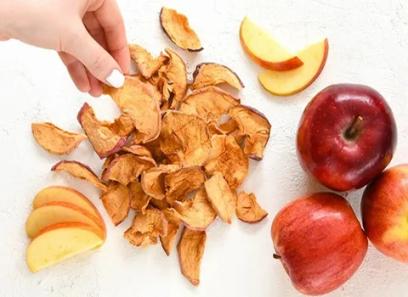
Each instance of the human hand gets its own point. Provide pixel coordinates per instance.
(89, 36)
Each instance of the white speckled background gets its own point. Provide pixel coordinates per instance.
(368, 44)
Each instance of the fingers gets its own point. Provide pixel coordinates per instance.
(96, 88)
(111, 21)
(77, 72)
(80, 44)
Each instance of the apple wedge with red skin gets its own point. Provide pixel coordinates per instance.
(384, 210)
(346, 136)
(319, 241)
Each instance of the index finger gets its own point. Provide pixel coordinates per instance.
(110, 19)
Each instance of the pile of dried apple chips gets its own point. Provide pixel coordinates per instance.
(177, 153)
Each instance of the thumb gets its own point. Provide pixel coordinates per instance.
(95, 58)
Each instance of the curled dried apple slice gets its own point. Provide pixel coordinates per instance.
(140, 101)
(248, 209)
(138, 150)
(81, 171)
(147, 227)
(139, 200)
(145, 62)
(54, 139)
(292, 82)
(221, 197)
(228, 158)
(184, 139)
(211, 74)
(152, 181)
(127, 168)
(177, 28)
(254, 127)
(264, 50)
(196, 213)
(190, 252)
(116, 201)
(176, 75)
(102, 137)
(173, 225)
(209, 103)
(182, 182)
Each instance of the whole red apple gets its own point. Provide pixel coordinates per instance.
(346, 136)
(384, 209)
(319, 242)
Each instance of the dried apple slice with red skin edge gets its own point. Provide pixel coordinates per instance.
(145, 62)
(127, 168)
(184, 139)
(173, 225)
(152, 180)
(221, 197)
(190, 252)
(147, 227)
(176, 26)
(209, 103)
(102, 138)
(228, 158)
(254, 127)
(196, 213)
(116, 201)
(176, 74)
(140, 101)
(54, 139)
(81, 171)
(248, 209)
(178, 184)
(139, 200)
(211, 74)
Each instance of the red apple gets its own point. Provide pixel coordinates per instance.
(319, 241)
(346, 136)
(384, 209)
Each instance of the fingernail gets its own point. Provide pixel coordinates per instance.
(115, 79)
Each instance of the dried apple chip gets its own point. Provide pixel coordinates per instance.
(138, 150)
(116, 202)
(184, 139)
(182, 182)
(228, 158)
(152, 181)
(211, 74)
(103, 138)
(248, 210)
(145, 62)
(139, 200)
(177, 28)
(147, 227)
(55, 140)
(221, 197)
(161, 204)
(209, 103)
(196, 213)
(140, 101)
(122, 126)
(81, 171)
(190, 252)
(254, 127)
(173, 225)
(176, 75)
(127, 168)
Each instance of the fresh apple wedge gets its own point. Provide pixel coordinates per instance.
(264, 50)
(61, 241)
(59, 212)
(291, 82)
(65, 194)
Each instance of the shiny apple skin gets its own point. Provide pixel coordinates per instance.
(384, 210)
(319, 241)
(323, 150)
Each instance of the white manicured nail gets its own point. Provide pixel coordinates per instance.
(116, 79)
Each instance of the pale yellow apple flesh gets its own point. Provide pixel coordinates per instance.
(64, 194)
(264, 50)
(290, 82)
(59, 242)
(60, 212)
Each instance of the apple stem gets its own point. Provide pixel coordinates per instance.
(352, 132)
(276, 256)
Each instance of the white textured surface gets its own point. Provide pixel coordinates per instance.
(369, 43)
